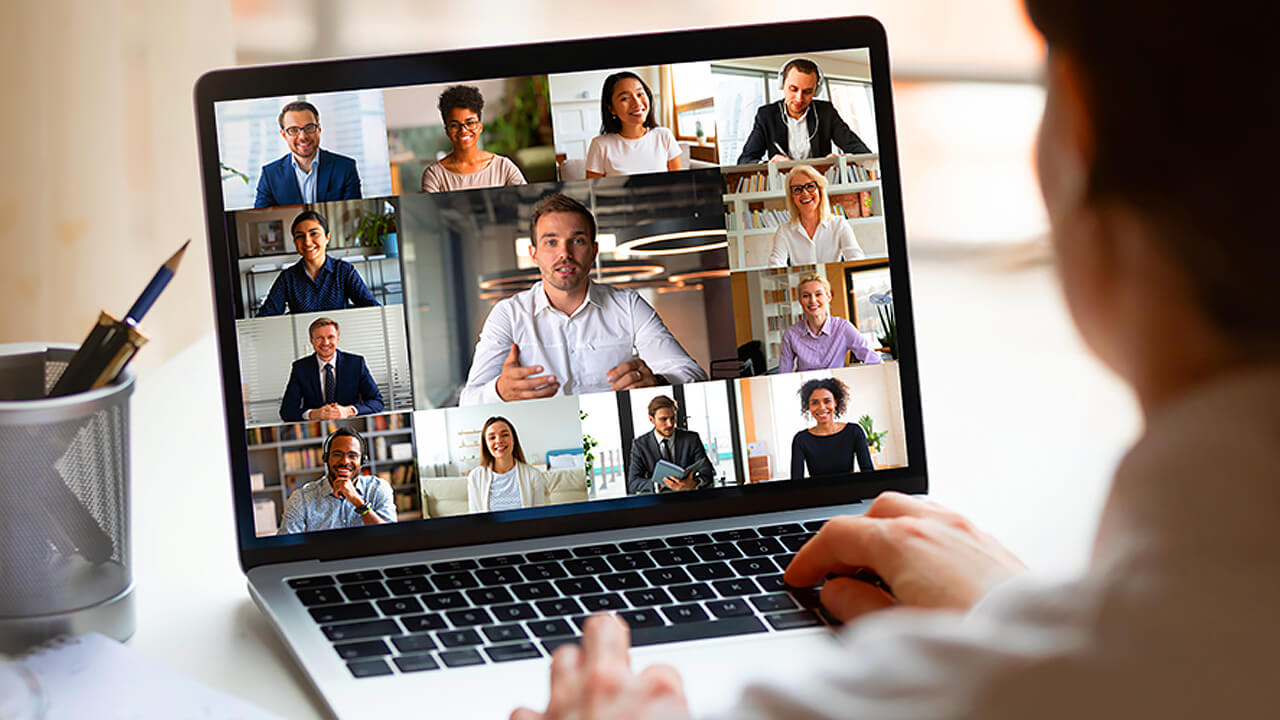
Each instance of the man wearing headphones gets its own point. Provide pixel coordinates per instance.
(342, 497)
(798, 127)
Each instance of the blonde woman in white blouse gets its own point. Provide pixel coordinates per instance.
(814, 233)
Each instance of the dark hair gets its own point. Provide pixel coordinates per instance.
(306, 215)
(321, 322)
(1145, 69)
(460, 96)
(485, 455)
(344, 431)
(804, 65)
(838, 390)
(559, 202)
(609, 123)
(298, 106)
(659, 402)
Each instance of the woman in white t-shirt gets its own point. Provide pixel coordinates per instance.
(504, 481)
(630, 140)
(814, 233)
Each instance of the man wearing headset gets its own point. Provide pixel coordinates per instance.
(342, 497)
(798, 127)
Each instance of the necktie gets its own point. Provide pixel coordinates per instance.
(328, 383)
(666, 450)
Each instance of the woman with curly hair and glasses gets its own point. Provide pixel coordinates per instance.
(829, 447)
(467, 166)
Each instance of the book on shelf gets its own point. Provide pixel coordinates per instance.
(864, 202)
(302, 459)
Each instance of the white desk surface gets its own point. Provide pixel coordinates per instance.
(1022, 431)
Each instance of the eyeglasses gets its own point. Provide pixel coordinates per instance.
(805, 188)
(454, 126)
(309, 128)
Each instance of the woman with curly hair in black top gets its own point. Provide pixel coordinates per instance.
(829, 447)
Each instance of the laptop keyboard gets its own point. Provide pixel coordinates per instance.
(503, 608)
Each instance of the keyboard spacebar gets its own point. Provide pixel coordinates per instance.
(695, 631)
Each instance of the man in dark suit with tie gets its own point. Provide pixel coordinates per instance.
(798, 127)
(306, 174)
(670, 443)
(329, 384)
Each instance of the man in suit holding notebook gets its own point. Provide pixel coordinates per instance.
(306, 174)
(670, 443)
(329, 384)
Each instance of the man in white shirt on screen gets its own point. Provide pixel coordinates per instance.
(567, 335)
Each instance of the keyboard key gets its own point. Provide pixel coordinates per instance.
(558, 607)
(409, 586)
(361, 630)
(580, 621)
(793, 620)
(647, 618)
(666, 576)
(641, 636)
(546, 555)
(733, 607)
(469, 617)
(772, 583)
(717, 551)
(499, 576)
(453, 566)
(314, 581)
(505, 633)
(542, 571)
(320, 596)
(647, 596)
(420, 623)
(368, 648)
(400, 606)
(414, 643)
(754, 566)
(579, 586)
(454, 580)
(622, 581)
(509, 613)
(364, 591)
(587, 566)
(710, 571)
(459, 638)
(692, 539)
(494, 561)
(685, 613)
(461, 658)
(760, 546)
(406, 571)
(629, 561)
(339, 613)
(691, 593)
(550, 628)
(416, 663)
(359, 576)
(794, 542)
(814, 525)
(369, 668)
(674, 556)
(807, 597)
(638, 545)
(517, 651)
(535, 591)
(595, 550)
(444, 601)
(773, 603)
(734, 587)
(489, 595)
(786, 529)
(550, 644)
(739, 534)
(607, 601)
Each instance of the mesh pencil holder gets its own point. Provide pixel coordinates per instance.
(64, 502)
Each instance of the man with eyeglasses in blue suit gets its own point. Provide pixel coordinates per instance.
(306, 174)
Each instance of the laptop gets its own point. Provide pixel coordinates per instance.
(467, 301)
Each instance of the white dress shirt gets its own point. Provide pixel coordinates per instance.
(1175, 618)
(307, 179)
(832, 241)
(320, 369)
(798, 143)
(611, 327)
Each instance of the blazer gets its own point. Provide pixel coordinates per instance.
(336, 179)
(354, 386)
(645, 454)
(533, 487)
(769, 133)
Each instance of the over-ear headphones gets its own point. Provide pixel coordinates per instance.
(782, 74)
(344, 432)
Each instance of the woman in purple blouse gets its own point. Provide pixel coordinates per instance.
(819, 341)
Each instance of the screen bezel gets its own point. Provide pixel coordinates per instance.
(537, 59)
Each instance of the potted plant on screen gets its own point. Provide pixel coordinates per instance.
(875, 440)
(589, 444)
(378, 230)
(888, 322)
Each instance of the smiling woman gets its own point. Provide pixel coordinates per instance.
(316, 282)
(467, 166)
(630, 140)
(829, 447)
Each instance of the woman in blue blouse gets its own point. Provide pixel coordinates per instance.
(317, 282)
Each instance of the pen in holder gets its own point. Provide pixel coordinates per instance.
(65, 558)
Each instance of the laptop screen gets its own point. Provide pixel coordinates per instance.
(489, 306)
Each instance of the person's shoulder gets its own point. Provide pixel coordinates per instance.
(301, 363)
(665, 134)
(824, 106)
(337, 158)
(278, 164)
(343, 354)
(692, 434)
(606, 295)
(477, 473)
(763, 111)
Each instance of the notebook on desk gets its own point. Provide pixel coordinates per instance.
(461, 297)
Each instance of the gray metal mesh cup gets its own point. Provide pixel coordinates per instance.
(64, 502)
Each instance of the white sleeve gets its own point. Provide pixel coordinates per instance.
(847, 242)
(475, 502)
(778, 255)
(671, 145)
(658, 348)
(595, 155)
(496, 339)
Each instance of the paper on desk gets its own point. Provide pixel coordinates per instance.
(92, 676)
